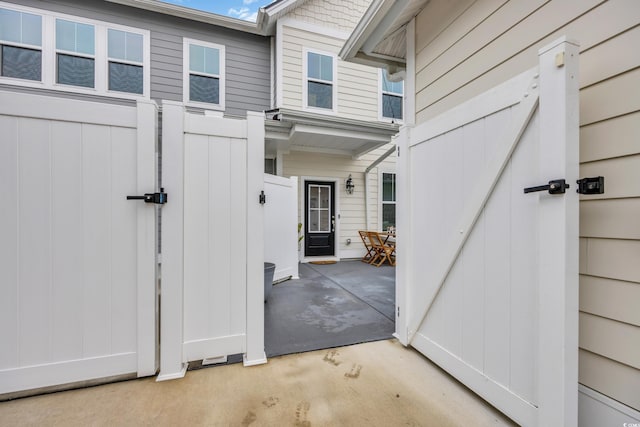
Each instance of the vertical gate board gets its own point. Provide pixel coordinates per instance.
(70, 294)
(215, 276)
(486, 318)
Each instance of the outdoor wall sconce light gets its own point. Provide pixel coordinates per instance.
(349, 185)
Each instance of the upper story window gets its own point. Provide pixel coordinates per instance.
(75, 53)
(48, 50)
(320, 81)
(125, 52)
(391, 98)
(21, 43)
(204, 74)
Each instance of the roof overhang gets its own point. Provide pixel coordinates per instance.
(380, 38)
(291, 130)
(192, 14)
(265, 22)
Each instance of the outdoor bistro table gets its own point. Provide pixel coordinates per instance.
(380, 246)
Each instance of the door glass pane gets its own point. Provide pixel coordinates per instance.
(204, 89)
(324, 220)
(75, 71)
(314, 220)
(21, 63)
(324, 197)
(314, 194)
(320, 95)
(125, 78)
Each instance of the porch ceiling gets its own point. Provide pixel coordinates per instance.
(288, 130)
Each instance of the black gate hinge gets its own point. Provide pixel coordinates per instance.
(262, 198)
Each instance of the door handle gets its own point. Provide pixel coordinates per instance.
(333, 224)
(556, 186)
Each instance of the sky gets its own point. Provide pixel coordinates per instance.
(241, 9)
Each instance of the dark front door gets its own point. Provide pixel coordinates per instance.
(319, 205)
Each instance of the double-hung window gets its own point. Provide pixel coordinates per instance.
(391, 98)
(388, 200)
(204, 74)
(45, 49)
(75, 53)
(21, 44)
(126, 61)
(320, 83)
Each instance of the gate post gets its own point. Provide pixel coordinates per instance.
(255, 354)
(404, 235)
(147, 117)
(172, 278)
(558, 236)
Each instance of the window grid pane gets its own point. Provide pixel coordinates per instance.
(204, 89)
(76, 71)
(21, 63)
(388, 215)
(389, 187)
(392, 106)
(204, 60)
(125, 78)
(319, 67)
(75, 37)
(320, 95)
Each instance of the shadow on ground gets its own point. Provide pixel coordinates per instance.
(330, 306)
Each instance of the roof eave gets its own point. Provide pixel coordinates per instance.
(371, 29)
(192, 14)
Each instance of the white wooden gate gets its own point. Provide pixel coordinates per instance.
(212, 250)
(488, 277)
(280, 225)
(77, 260)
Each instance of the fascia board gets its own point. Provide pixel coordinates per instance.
(192, 14)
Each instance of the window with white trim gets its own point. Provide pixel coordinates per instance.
(392, 94)
(21, 44)
(50, 50)
(204, 74)
(388, 200)
(75, 53)
(125, 54)
(320, 81)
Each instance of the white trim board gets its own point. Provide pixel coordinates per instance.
(596, 410)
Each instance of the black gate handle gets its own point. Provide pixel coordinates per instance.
(156, 198)
(557, 186)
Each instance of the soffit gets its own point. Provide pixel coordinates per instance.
(290, 130)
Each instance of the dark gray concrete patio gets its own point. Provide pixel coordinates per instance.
(329, 306)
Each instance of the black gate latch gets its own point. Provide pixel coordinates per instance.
(593, 185)
(156, 198)
(557, 186)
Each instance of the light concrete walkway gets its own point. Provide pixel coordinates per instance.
(373, 384)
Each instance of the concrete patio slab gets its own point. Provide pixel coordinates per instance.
(373, 384)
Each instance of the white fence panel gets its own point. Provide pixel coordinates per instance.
(488, 289)
(212, 224)
(77, 260)
(281, 225)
